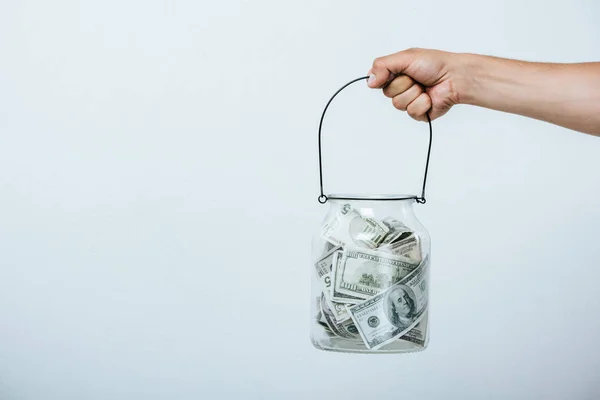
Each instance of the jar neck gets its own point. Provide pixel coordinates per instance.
(370, 207)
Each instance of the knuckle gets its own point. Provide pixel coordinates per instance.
(398, 85)
(426, 101)
(413, 109)
(406, 80)
(419, 107)
(413, 49)
(398, 103)
(417, 89)
(379, 63)
(413, 113)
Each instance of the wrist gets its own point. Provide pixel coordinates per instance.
(467, 78)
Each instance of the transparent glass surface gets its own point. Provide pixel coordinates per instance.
(370, 272)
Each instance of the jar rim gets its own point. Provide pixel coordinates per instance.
(371, 197)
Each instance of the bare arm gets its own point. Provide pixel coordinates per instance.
(421, 81)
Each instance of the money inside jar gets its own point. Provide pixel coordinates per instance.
(373, 280)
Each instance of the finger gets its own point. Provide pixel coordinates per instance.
(402, 101)
(398, 86)
(384, 67)
(419, 107)
(386, 81)
(443, 105)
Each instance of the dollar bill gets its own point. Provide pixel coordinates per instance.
(339, 311)
(408, 247)
(345, 329)
(326, 328)
(392, 313)
(335, 275)
(396, 231)
(320, 319)
(400, 240)
(418, 334)
(324, 265)
(328, 246)
(394, 224)
(349, 227)
(363, 273)
(324, 268)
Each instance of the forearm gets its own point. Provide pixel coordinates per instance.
(564, 94)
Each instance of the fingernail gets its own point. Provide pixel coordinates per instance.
(371, 80)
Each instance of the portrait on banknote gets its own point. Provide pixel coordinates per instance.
(401, 306)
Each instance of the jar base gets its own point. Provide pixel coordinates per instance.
(341, 345)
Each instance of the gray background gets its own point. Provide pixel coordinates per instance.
(158, 187)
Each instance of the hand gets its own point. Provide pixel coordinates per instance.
(419, 81)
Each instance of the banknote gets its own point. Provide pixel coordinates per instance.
(418, 334)
(319, 314)
(339, 311)
(326, 329)
(321, 320)
(400, 240)
(323, 265)
(392, 313)
(328, 246)
(397, 231)
(394, 224)
(345, 329)
(349, 227)
(324, 268)
(408, 247)
(364, 273)
(322, 248)
(335, 274)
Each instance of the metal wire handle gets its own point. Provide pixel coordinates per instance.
(323, 198)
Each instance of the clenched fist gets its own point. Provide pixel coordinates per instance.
(419, 81)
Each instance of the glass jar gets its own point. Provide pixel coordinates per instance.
(370, 274)
(370, 270)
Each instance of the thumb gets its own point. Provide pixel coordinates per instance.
(386, 68)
